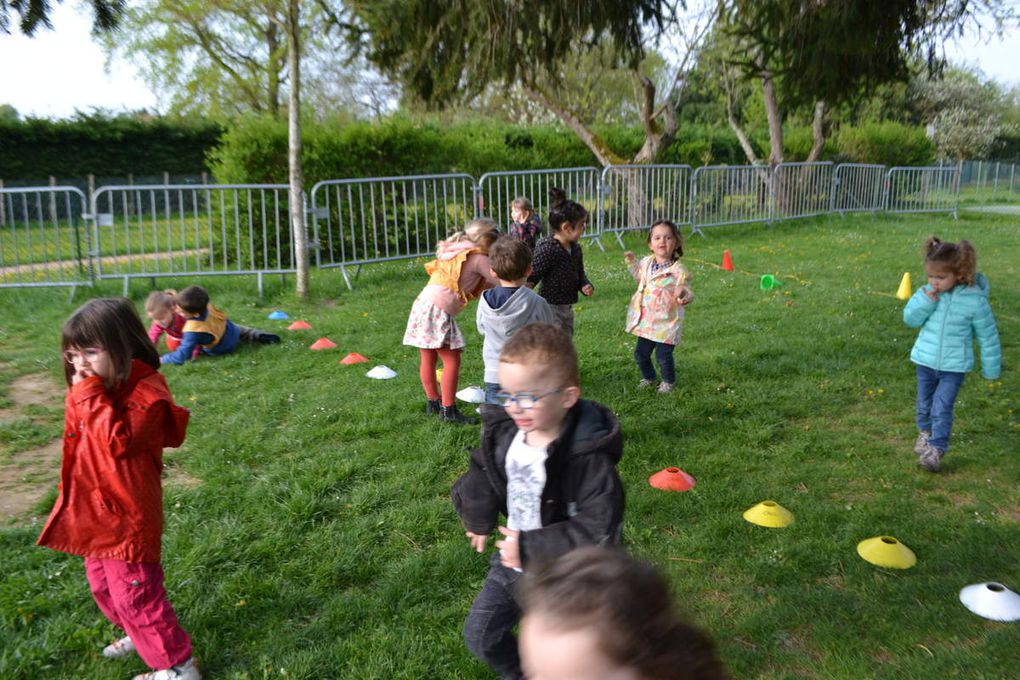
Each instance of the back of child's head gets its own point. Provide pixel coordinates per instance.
(111, 324)
(627, 605)
(482, 231)
(678, 253)
(958, 258)
(160, 300)
(510, 258)
(193, 299)
(547, 346)
(522, 204)
(564, 213)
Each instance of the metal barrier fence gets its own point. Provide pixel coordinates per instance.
(635, 196)
(49, 237)
(857, 187)
(358, 221)
(997, 178)
(723, 194)
(44, 240)
(497, 190)
(192, 230)
(801, 190)
(932, 189)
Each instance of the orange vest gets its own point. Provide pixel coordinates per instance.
(215, 324)
(446, 273)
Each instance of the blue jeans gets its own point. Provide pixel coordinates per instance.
(936, 394)
(491, 389)
(663, 356)
(489, 627)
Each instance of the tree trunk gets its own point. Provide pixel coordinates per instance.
(768, 89)
(602, 152)
(273, 71)
(817, 132)
(297, 205)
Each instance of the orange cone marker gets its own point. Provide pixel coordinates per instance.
(727, 261)
(353, 358)
(672, 479)
(322, 343)
(299, 326)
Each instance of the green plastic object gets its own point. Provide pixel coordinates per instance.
(768, 282)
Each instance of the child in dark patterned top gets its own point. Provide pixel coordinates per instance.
(525, 225)
(558, 263)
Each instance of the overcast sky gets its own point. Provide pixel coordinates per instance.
(59, 71)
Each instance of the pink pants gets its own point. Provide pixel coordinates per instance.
(132, 596)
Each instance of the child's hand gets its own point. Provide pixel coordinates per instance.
(684, 296)
(932, 295)
(629, 258)
(587, 289)
(509, 548)
(477, 541)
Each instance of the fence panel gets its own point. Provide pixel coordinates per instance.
(635, 196)
(43, 237)
(192, 230)
(857, 187)
(359, 221)
(730, 194)
(497, 190)
(801, 189)
(928, 189)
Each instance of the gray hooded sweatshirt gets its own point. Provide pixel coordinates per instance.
(497, 325)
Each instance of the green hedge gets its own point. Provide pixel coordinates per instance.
(111, 147)
(887, 143)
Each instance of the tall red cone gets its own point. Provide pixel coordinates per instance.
(727, 261)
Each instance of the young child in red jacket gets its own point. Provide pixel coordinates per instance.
(119, 417)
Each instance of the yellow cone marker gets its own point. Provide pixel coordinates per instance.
(904, 292)
(886, 551)
(769, 514)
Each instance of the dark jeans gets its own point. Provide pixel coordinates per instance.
(663, 356)
(491, 389)
(936, 394)
(488, 629)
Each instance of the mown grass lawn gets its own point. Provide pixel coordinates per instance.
(309, 532)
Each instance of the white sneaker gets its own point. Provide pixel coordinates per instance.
(119, 648)
(665, 387)
(184, 671)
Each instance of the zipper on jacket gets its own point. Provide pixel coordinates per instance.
(942, 331)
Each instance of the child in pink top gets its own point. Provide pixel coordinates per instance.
(159, 307)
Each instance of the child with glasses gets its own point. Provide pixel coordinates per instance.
(547, 462)
(119, 417)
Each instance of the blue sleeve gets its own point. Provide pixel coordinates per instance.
(988, 340)
(189, 341)
(918, 308)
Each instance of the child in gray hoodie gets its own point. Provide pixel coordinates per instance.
(508, 307)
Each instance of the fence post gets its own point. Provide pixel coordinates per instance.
(53, 200)
(3, 208)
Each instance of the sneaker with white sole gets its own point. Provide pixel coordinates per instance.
(931, 459)
(118, 649)
(665, 387)
(646, 384)
(182, 671)
(922, 441)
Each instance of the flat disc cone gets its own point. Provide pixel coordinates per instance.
(992, 601)
(353, 358)
(299, 326)
(769, 514)
(672, 479)
(277, 315)
(322, 343)
(886, 551)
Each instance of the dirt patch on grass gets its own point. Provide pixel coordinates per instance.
(175, 476)
(26, 476)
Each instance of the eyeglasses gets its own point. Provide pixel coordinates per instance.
(89, 354)
(524, 401)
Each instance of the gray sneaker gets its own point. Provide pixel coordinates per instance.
(931, 459)
(665, 387)
(922, 442)
(646, 384)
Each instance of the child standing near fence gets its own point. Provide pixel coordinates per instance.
(525, 225)
(951, 310)
(558, 265)
(460, 272)
(656, 311)
(119, 417)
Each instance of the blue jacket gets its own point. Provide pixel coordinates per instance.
(948, 327)
(190, 340)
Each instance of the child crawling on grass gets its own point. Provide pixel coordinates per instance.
(208, 328)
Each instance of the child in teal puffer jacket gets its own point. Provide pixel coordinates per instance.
(951, 311)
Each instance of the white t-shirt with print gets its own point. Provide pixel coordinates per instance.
(525, 481)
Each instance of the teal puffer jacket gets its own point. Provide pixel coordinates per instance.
(949, 325)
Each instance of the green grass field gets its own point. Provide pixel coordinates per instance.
(309, 532)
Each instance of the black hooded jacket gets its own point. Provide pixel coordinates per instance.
(582, 502)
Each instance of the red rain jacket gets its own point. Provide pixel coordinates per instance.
(110, 503)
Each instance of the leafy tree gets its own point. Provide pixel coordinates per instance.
(8, 114)
(31, 14)
(450, 52)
